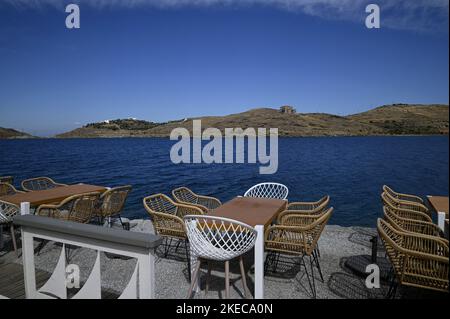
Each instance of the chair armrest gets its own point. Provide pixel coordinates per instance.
(209, 202)
(286, 214)
(422, 227)
(410, 198)
(183, 210)
(426, 247)
(8, 211)
(301, 206)
(48, 211)
(413, 206)
(167, 219)
(415, 215)
(300, 220)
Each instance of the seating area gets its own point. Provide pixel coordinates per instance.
(250, 238)
(229, 230)
(418, 250)
(77, 203)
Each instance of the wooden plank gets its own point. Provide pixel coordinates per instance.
(251, 211)
(54, 195)
(12, 282)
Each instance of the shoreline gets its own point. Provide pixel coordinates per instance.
(168, 138)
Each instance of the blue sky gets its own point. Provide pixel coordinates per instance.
(161, 60)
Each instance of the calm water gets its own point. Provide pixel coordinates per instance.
(351, 169)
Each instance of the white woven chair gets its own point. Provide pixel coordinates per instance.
(268, 190)
(218, 239)
(7, 212)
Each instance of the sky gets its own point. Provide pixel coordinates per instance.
(163, 60)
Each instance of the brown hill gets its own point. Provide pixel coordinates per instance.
(386, 120)
(8, 133)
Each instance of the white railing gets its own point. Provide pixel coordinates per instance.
(139, 246)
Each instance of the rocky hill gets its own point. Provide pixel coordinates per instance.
(398, 119)
(8, 133)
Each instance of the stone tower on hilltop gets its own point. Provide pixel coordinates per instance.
(286, 109)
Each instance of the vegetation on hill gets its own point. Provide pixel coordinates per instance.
(398, 119)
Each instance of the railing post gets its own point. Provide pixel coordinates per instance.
(28, 264)
(147, 276)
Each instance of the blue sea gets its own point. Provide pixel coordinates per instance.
(351, 170)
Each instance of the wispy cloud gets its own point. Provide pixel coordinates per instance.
(415, 15)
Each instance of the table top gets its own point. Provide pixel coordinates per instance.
(439, 203)
(53, 195)
(251, 211)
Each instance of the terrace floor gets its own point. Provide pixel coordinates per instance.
(343, 250)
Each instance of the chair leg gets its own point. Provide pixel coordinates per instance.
(311, 264)
(277, 259)
(194, 279)
(188, 258)
(41, 246)
(318, 250)
(244, 280)
(227, 279)
(167, 247)
(13, 238)
(121, 222)
(311, 281)
(266, 263)
(392, 288)
(177, 246)
(208, 276)
(316, 260)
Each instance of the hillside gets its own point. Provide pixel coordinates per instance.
(385, 120)
(8, 133)
(407, 119)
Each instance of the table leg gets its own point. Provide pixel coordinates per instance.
(441, 221)
(194, 262)
(24, 208)
(259, 262)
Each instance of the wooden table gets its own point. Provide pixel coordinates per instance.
(440, 206)
(49, 196)
(258, 213)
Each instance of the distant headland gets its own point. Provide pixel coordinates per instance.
(395, 119)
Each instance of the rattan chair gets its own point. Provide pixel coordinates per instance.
(7, 179)
(404, 197)
(78, 208)
(39, 184)
(219, 239)
(184, 195)
(410, 225)
(302, 208)
(268, 190)
(299, 240)
(111, 204)
(406, 209)
(8, 189)
(167, 217)
(7, 213)
(418, 260)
